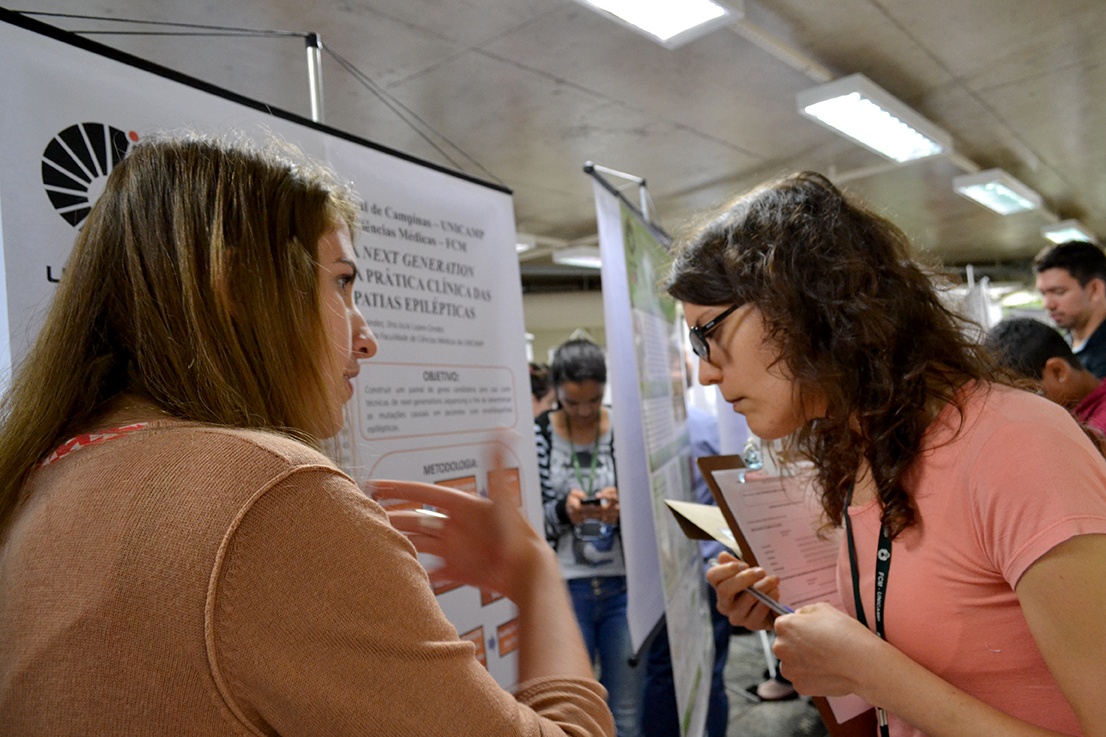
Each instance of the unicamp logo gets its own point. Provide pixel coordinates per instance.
(76, 163)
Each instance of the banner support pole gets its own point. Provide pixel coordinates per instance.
(590, 168)
(596, 171)
(315, 75)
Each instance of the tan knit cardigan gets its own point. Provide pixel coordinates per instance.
(189, 580)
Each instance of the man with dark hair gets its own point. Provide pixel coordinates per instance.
(1071, 278)
(1033, 350)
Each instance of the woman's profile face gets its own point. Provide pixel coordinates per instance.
(347, 338)
(743, 365)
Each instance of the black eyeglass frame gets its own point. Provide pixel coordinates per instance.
(697, 334)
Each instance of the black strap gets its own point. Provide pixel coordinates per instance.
(883, 573)
(853, 566)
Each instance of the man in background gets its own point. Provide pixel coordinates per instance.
(1033, 350)
(1071, 278)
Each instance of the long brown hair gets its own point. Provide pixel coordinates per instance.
(192, 284)
(855, 319)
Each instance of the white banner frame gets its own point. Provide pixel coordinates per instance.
(437, 248)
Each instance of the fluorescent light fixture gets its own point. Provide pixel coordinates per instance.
(585, 256)
(668, 22)
(998, 191)
(524, 242)
(1068, 230)
(859, 109)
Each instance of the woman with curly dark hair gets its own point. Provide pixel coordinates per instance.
(811, 316)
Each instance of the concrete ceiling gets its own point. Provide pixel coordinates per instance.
(525, 91)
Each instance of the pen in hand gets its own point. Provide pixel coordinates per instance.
(764, 599)
(769, 602)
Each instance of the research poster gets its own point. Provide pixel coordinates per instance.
(439, 278)
(645, 357)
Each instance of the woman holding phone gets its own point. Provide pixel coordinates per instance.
(974, 513)
(580, 495)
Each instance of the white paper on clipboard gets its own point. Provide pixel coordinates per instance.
(779, 518)
(777, 522)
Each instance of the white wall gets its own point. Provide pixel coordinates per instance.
(552, 317)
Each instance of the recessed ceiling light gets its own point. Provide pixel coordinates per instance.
(524, 242)
(585, 256)
(1068, 230)
(998, 191)
(668, 22)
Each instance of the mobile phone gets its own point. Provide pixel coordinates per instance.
(592, 501)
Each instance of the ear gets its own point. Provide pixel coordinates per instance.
(1058, 380)
(1096, 289)
(1057, 369)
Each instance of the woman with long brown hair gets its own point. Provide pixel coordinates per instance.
(975, 513)
(176, 555)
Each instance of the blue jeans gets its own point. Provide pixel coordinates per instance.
(660, 716)
(600, 605)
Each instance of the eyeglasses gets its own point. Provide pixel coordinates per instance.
(697, 335)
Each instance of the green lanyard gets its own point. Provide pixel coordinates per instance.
(576, 461)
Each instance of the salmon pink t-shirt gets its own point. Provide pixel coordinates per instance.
(995, 491)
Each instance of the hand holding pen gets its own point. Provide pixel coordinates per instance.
(746, 595)
(818, 647)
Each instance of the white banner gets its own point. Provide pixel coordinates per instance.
(652, 452)
(441, 285)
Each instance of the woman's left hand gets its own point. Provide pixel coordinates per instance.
(483, 542)
(824, 651)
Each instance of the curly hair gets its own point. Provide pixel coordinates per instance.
(855, 320)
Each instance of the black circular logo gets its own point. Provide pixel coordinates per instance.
(76, 163)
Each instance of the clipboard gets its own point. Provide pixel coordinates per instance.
(864, 723)
(708, 465)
